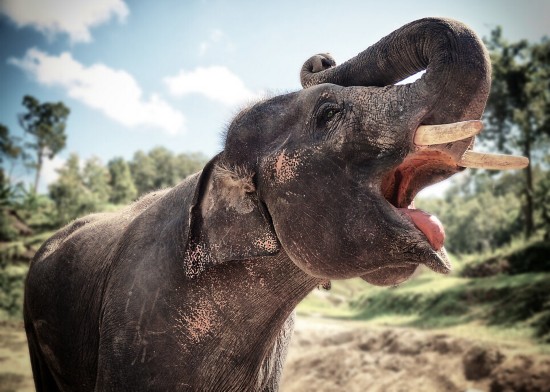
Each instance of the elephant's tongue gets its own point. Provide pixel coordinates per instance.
(427, 224)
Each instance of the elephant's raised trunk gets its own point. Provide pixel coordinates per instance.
(458, 73)
(454, 88)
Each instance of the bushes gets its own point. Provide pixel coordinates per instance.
(12, 279)
(7, 231)
(534, 257)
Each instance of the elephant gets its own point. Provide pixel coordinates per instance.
(194, 287)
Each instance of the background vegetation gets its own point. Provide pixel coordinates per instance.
(497, 224)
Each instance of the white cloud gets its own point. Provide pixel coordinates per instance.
(74, 17)
(216, 83)
(113, 92)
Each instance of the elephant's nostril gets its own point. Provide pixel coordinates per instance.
(327, 63)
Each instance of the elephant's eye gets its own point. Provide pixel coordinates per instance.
(328, 114)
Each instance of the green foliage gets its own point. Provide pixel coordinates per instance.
(95, 178)
(122, 185)
(9, 150)
(69, 193)
(518, 110)
(542, 201)
(14, 259)
(520, 92)
(7, 231)
(533, 257)
(45, 123)
(482, 211)
(12, 279)
(94, 187)
(143, 172)
(9, 145)
(502, 300)
(160, 168)
(479, 212)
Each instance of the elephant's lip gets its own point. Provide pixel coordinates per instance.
(438, 262)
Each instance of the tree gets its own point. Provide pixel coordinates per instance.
(123, 189)
(160, 168)
(143, 172)
(46, 124)
(9, 149)
(95, 177)
(518, 110)
(187, 164)
(165, 167)
(72, 199)
(479, 211)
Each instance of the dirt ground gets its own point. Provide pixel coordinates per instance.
(15, 365)
(327, 356)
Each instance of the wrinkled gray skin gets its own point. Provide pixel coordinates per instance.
(193, 288)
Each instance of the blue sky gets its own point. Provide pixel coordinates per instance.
(138, 74)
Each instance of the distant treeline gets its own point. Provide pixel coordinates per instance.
(92, 186)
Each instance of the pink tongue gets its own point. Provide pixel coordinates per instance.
(427, 224)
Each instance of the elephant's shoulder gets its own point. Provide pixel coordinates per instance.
(72, 234)
(95, 231)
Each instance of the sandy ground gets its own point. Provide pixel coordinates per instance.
(329, 356)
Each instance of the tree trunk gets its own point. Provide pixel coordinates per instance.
(529, 202)
(38, 170)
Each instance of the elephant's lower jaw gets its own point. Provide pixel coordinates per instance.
(390, 276)
(394, 275)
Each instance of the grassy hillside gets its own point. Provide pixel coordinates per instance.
(510, 303)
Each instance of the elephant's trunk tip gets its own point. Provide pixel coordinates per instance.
(315, 64)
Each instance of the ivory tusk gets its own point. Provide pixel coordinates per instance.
(481, 160)
(427, 135)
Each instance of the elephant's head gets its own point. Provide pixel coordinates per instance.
(328, 174)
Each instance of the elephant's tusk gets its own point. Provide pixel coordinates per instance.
(481, 160)
(427, 135)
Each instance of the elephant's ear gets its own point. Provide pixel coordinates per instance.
(227, 220)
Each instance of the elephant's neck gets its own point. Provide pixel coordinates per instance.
(251, 301)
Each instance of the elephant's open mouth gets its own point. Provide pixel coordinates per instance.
(441, 151)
